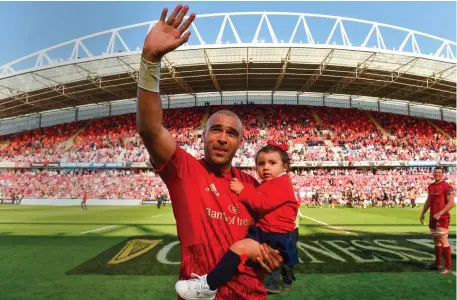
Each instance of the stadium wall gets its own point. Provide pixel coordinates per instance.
(101, 110)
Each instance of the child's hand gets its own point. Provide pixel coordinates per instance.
(236, 186)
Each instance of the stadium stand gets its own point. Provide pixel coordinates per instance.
(341, 134)
(313, 134)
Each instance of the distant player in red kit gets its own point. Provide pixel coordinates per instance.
(440, 200)
(275, 203)
(83, 201)
(209, 217)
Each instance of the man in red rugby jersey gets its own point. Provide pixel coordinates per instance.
(440, 200)
(84, 200)
(208, 215)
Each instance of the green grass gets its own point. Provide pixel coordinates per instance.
(63, 253)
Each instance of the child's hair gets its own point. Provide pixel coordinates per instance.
(273, 147)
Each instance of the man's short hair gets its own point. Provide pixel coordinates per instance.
(439, 168)
(228, 113)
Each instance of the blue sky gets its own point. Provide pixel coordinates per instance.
(31, 26)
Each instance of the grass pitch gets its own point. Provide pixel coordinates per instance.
(130, 253)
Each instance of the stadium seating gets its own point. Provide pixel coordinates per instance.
(337, 134)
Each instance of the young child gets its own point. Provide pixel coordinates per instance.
(275, 203)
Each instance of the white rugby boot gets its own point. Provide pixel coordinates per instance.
(194, 289)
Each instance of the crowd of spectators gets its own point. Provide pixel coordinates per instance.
(345, 186)
(336, 134)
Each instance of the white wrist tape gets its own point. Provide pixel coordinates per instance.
(149, 77)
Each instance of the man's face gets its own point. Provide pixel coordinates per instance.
(222, 138)
(438, 175)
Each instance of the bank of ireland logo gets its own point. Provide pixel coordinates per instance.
(233, 208)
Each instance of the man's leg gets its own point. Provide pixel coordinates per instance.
(446, 247)
(436, 236)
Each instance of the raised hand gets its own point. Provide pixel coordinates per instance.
(167, 35)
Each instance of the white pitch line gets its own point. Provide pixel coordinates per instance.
(330, 226)
(153, 217)
(106, 227)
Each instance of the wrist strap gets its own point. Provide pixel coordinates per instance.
(149, 76)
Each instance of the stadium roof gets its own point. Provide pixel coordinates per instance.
(374, 67)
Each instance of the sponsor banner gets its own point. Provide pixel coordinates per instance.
(422, 163)
(395, 163)
(138, 165)
(319, 254)
(93, 165)
(330, 164)
(247, 165)
(447, 163)
(68, 165)
(7, 164)
(98, 165)
(333, 164)
(83, 165)
(7, 201)
(107, 165)
(321, 164)
(392, 163)
(22, 165)
(361, 164)
(37, 164)
(303, 164)
(148, 202)
(114, 165)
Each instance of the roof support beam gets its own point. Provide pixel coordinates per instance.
(386, 80)
(129, 69)
(345, 81)
(283, 71)
(427, 83)
(113, 90)
(98, 82)
(211, 73)
(175, 75)
(247, 70)
(17, 96)
(317, 73)
(60, 88)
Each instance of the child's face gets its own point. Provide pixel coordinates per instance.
(269, 165)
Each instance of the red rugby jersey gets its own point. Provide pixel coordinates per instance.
(209, 220)
(275, 201)
(437, 193)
